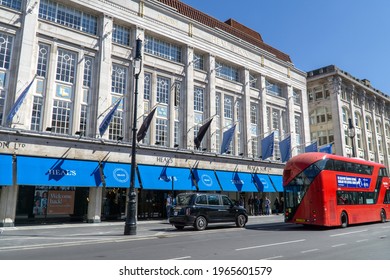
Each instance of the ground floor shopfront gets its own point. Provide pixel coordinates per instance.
(37, 189)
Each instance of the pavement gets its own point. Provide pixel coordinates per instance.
(144, 228)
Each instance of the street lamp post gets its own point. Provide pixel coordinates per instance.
(351, 134)
(131, 222)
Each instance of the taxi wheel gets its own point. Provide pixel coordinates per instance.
(200, 223)
(240, 221)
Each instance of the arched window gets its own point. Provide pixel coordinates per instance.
(368, 123)
(345, 114)
(387, 129)
(358, 120)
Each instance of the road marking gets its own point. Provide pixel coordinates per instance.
(361, 240)
(181, 258)
(346, 233)
(338, 245)
(69, 244)
(272, 258)
(269, 245)
(308, 251)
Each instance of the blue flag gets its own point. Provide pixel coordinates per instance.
(326, 149)
(285, 149)
(311, 148)
(267, 146)
(107, 119)
(227, 139)
(18, 102)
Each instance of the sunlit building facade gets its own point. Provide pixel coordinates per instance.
(56, 162)
(349, 113)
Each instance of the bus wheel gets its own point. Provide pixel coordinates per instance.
(383, 216)
(344, 220)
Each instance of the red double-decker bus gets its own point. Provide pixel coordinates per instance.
(329, 190)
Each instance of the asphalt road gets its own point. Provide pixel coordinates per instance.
(264, 238)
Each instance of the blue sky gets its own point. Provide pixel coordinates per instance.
(354, 35)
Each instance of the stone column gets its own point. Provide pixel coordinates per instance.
(8, 200)
(94, 205)
(335, 85)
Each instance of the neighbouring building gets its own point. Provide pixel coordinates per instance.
(57, 161)
(349, 113)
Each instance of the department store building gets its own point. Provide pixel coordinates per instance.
(78, 56)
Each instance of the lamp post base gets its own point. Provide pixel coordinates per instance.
(130, 229)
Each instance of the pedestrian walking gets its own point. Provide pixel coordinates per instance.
(276, 206)
(267, 204)
(168, 205)
(250, 205)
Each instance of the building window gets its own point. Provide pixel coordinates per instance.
(13, 4)
(369, 142)
(198, 109)
(116, 126)
(198, 61)
(162, 131)
(147, 86)
(368, 124)
(118, 79)
(252, 81)
(177, 107)
(43, 57)
(61, 116)
(228, 108)
(387, 129)
(6, 42)
(67, 16)
(163, 86)
(66, 66)
(36, 113)
(162, 49)
(345, 114)
(297, 96)
(198, 99)
(218, 113)
(273, 88)
(226, 71)
(88, 67)
(121, 35)
(147, 102)
(87, 82)
(238, 119)
(42, 67)
(162, 97)
(359, 140)
(118, 90)
(65, 77)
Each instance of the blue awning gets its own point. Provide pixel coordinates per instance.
(263, 183)
(205, 179)
(71, 173)
(165, 178)
(5, 170)
(236, 181)
(277, 181)
(116, 175)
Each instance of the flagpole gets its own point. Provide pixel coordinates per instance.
(131, 222)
